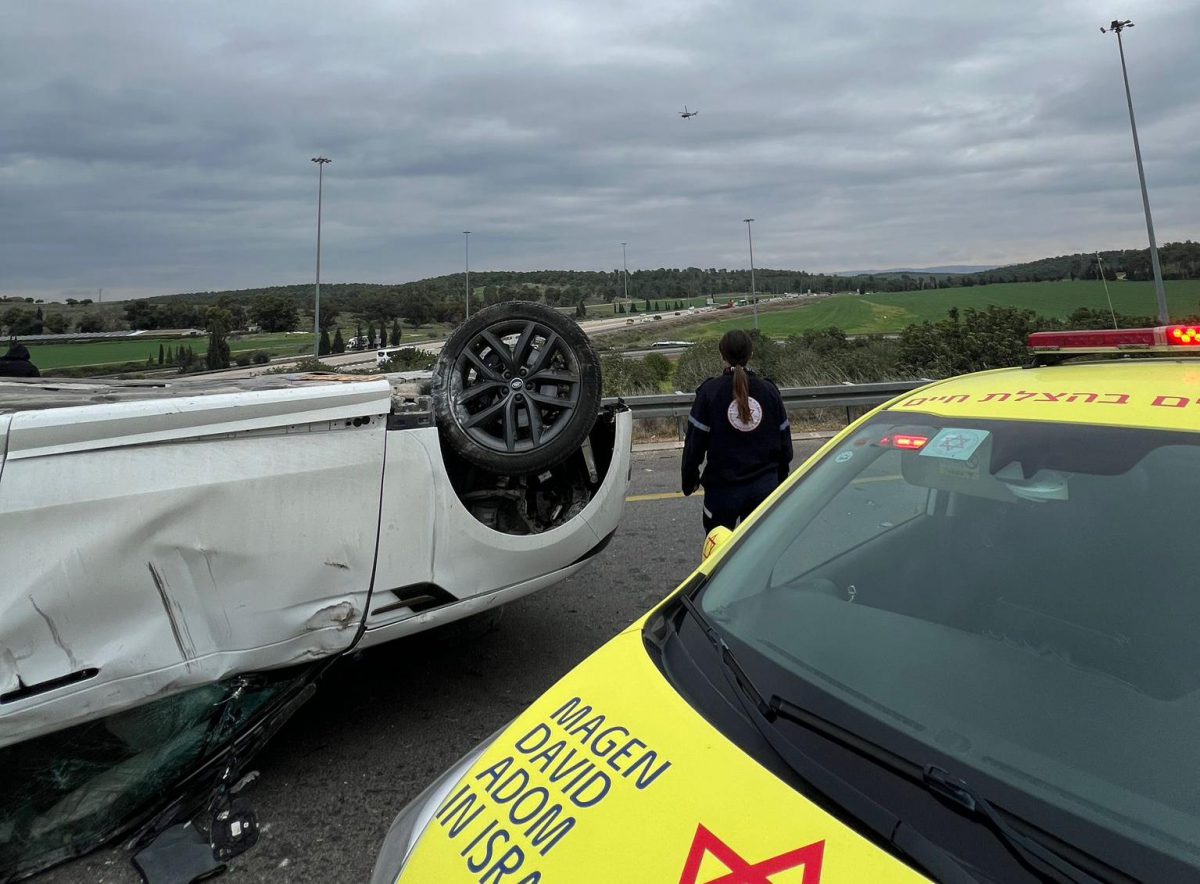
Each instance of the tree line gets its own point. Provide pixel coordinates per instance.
(443, 299)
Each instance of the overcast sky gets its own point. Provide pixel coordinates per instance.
(156, 147)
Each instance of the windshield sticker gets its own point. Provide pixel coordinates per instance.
(843, 457)
(741, 870)
(968, 469)
(951, 444)
(522, 805)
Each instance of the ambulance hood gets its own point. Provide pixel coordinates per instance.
(612, 776)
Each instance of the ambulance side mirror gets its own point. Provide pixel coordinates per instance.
(717, 537)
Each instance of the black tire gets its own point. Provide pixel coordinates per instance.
(516, 389)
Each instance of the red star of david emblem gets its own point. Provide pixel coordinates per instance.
(743, 872)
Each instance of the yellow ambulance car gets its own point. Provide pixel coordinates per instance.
(959, 644)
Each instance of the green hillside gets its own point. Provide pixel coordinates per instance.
(891, 312)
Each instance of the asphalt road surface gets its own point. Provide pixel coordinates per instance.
(385, 722)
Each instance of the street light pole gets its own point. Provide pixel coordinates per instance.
(624, 271)
(320, 161)
(1159, 291)
(467, 263)
(753, 290)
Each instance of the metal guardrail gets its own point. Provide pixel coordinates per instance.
(678, 405)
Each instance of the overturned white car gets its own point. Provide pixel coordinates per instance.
(162, 541)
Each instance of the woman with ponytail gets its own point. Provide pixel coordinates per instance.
(738, 432)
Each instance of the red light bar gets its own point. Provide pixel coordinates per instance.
(1095, 339)
(904, 441)
(1116, 340)
(1183, 336)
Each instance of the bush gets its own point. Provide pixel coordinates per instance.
(410, 359)
(627, 377)
(698, 363)
(976, 340)
(242, 360)
(814, 359)
(304, 366)
(660, 365)
(125, 369)
(260, 357)
(703, 360)
(1085, 317)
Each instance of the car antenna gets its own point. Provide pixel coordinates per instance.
(1100, 267)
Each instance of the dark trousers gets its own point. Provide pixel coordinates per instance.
(728, 505)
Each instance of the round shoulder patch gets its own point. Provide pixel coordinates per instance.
(756, 413)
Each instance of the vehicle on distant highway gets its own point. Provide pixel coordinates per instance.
(182, 558)
(384, 357)
(958, 644)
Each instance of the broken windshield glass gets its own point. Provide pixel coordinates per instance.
(69, 792)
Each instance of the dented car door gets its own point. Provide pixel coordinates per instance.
(167, 543)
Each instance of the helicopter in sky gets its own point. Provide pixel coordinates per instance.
(685, 113)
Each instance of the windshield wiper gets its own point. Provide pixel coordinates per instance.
(727, 657)
(1032, 852)
(906, 839)
(1029, 851)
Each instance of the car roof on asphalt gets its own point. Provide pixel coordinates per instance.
(1153, 393)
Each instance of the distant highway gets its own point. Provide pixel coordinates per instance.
(359, 359)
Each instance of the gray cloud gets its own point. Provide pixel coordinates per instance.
(151, 148)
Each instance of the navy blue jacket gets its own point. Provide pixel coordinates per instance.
(733, 452)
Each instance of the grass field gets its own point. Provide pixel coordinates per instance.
(52, 356)
(884, 313)
(48, 357)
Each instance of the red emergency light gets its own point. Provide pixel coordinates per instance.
(1160, 339)
(1183, 336)
(904, 441)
